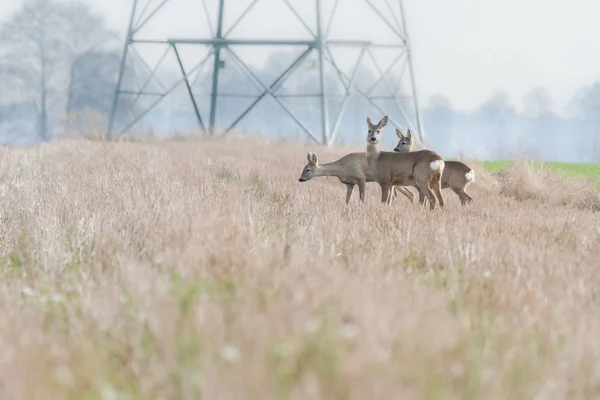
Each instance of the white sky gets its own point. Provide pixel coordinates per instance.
(462, 49)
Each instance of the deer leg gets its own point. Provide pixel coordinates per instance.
(468, 197)
(438, 193)
(361, 190)
(390, 195)
(421, 195)
(396, 190)
(437, 188)
(385, 192)
(459, 194)
(405, 192)
(462, 195)
(424, 186)
(393, 193)
(349, 189)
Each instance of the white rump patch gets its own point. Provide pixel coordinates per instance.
(470, 175)
(436, 165)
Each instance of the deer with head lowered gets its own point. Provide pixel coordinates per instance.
(422, 168)
(352, 170)
(456, 176)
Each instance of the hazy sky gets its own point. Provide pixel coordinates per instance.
(463, 49)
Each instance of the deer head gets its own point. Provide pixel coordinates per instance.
(374, 131)
(404, 143)
(311, 167)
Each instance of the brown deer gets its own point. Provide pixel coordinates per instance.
(351, 170)
(422, 168)
(456, 176)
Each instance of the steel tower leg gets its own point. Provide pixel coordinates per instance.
(321, 43)
(122, 68)
(412, 74)
(216, 66)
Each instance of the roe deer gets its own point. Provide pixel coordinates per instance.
(456, 176)
(352, 170)
(421, 168)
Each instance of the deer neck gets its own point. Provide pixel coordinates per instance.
(372, 153)
(331, 169)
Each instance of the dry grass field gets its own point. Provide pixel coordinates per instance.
(203, 269)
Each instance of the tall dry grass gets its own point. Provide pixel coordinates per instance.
(204, 269)
(522, 183)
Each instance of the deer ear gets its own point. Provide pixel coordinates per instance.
(314, 159)
(308, 156)
(369, 121)
(383, 122)
(399, 133)
(408, 133)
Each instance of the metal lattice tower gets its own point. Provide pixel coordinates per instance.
(219, 43)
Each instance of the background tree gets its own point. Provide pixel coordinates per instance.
(39, 43)
(538, 103)
(91, 89)
(541, 127)
(587, 106)
(500, 116)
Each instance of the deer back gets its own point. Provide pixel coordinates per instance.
(355, 166)
(399, 167)
(455, 173)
